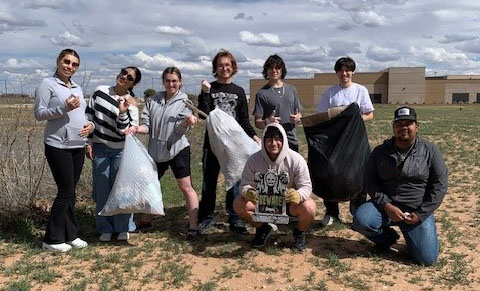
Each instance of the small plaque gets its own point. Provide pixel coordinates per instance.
(271, 206)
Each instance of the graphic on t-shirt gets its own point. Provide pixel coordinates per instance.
(271, 191)
(226, 101)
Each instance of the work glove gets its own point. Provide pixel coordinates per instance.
(292, 196)
(251, 195)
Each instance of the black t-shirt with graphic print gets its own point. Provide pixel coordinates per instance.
(231, 99)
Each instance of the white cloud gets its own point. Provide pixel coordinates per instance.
(160, 62)
(36, 4)
(260, 39)
(470, 47)
(193, 47)
(301, 48)
(68, 39)
(356, 5)
(303, 72)
(302, 53)
(172, 30)
(382, 54)
(9, 22)
(446, 15)
(453, 37)
(79, 26)
(343, 48)
(21, 64)
(438, 55)
(311, 38)
(369, 18)
(255, 65)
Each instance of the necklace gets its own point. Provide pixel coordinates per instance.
(403, 156)
(279, 91)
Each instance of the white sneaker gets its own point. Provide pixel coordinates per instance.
(62, 248)
(105, 237)
(328, 220)
(78, 243)
(123, 236)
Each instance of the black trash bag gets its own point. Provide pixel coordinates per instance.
(338, 151)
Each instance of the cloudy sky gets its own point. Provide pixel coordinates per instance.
(310, 35)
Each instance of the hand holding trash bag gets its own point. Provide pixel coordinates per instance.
(136, 188)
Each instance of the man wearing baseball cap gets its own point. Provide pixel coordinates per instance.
(406, 178)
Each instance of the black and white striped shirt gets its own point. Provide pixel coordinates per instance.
(110, 125)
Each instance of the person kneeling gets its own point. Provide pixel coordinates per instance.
(275, 156)
(407, 179)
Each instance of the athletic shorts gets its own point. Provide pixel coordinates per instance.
(180, 165)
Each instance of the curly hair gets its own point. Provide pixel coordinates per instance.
(274, 61)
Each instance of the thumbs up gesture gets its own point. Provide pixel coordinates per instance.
(272, 118)
(295, 118)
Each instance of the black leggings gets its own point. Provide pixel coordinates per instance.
(66, 166)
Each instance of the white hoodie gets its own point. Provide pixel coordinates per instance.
(288, 160)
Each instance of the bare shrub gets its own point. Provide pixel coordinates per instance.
(22, 164)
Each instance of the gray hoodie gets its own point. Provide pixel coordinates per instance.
(163, 119)
(63, 125)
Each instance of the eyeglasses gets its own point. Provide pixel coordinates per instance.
(168, 81)
(67, 62)
(125, 72)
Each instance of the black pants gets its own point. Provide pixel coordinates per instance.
(331, 207)
(211, 169)
(66, 166)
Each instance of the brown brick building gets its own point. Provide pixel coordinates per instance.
(395, 85)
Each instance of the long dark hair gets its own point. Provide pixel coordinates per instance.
(138, 77)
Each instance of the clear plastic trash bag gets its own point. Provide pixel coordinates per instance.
(230, 144)
(136, 188)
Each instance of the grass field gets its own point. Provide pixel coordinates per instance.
(337, 257)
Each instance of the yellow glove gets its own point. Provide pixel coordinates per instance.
(251, 195)
(292, 196)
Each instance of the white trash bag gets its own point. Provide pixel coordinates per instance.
(136, 188)
(230, 144)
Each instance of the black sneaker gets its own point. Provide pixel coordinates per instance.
(262, 233)
(143, 226)
(299, 240)
(192, 236)
(204, 225)
(238, 227)
(392, 237)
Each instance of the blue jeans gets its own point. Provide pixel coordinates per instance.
(421, 238)
(105, 167)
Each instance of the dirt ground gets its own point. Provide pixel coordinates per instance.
(337, 258)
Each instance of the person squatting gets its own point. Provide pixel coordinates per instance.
(405, 178)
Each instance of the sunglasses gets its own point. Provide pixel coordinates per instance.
(67, 62)
(124, 72)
